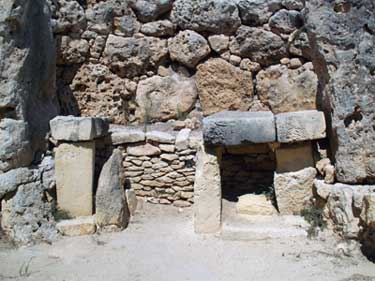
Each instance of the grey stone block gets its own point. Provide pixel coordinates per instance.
(70, 128)
(236, 128)
(127, 135)
(300, 126)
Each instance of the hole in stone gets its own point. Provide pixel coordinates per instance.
(356, 116)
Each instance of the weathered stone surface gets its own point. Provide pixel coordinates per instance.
(293, 4)
(368, 211)
(206, 15)
(253, 204)
(75, 177)
(143, 150)
(160, 137)
(182, 139)
(71, 51)
(222, 86)
(294, 158)
(343, 51)
(300, 126)
(257, 12)
(11, 180)
(131, 56)
(15, 146)
(207, 192)
(188, 48)
(77, 227)
(163, 98)
(159, 28)
(68, 16)
(219, 43)
(27, 87)
(70, 128)
(326, 169)
(284, 89)
(235, 128)
(294, 190)
(131, 200)
(344, 205)
(110, 200)
(258, 45)
(151, 9)
(127, 135)
(285, 21)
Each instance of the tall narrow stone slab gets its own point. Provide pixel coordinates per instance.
(74, 177)
(207, 188)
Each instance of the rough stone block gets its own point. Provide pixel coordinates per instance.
(207, 192)
(182, 139)
(77, 227)
(294, 190)
(74, 177)
(143, 150)
(160, 137)
(70, 128)
(254, 204)
(300, 126)
(236, 128)
(127, 135)
(294, 158)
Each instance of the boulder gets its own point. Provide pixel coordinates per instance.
(254, 204)
(257, 12)
(159, 28)
(285, 90)
(222, 86)
(151, 9)
(163, 98)
(285, 21)
(133, 56)
(294, 190)
(188, 48)
(259, 45)
(300, 126)
(15, 146)
(11, 180)
(207, 192)
(70, 128)
(110, 201)
(220, 17)
(77, 227)
(236, 128)
(347, 95)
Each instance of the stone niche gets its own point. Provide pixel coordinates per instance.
(256, 162)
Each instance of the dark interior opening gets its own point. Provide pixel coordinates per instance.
(247, 170)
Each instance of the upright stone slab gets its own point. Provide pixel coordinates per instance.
(75, 177)
(207, 188)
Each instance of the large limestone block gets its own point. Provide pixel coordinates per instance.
(294, 157)
(77, 227)
(236, 128)
(294, 190)
(207, 192)
(163, 98)
(300, 126)
(70, 128)
(255, 204)
(206, 15)
(111, 204)
(285, 90)
(74, 177)
(222, 86)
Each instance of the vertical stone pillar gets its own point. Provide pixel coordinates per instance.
(207, 191)
(75, 177)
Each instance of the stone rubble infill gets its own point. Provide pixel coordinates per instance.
(70, 128)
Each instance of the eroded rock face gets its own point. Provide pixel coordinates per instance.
(163, 98)
(27, 87)
(148, 10)
(111, 204)
(284, 89)
(343, 40)
(285, 21)
(206, 15)
(130, 56)
(255, 12)
(222, 86)
(259, 45)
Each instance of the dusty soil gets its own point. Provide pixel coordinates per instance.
(160, 245)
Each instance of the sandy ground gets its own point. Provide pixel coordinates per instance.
(160, 245)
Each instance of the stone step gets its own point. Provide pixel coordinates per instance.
(246, 227)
